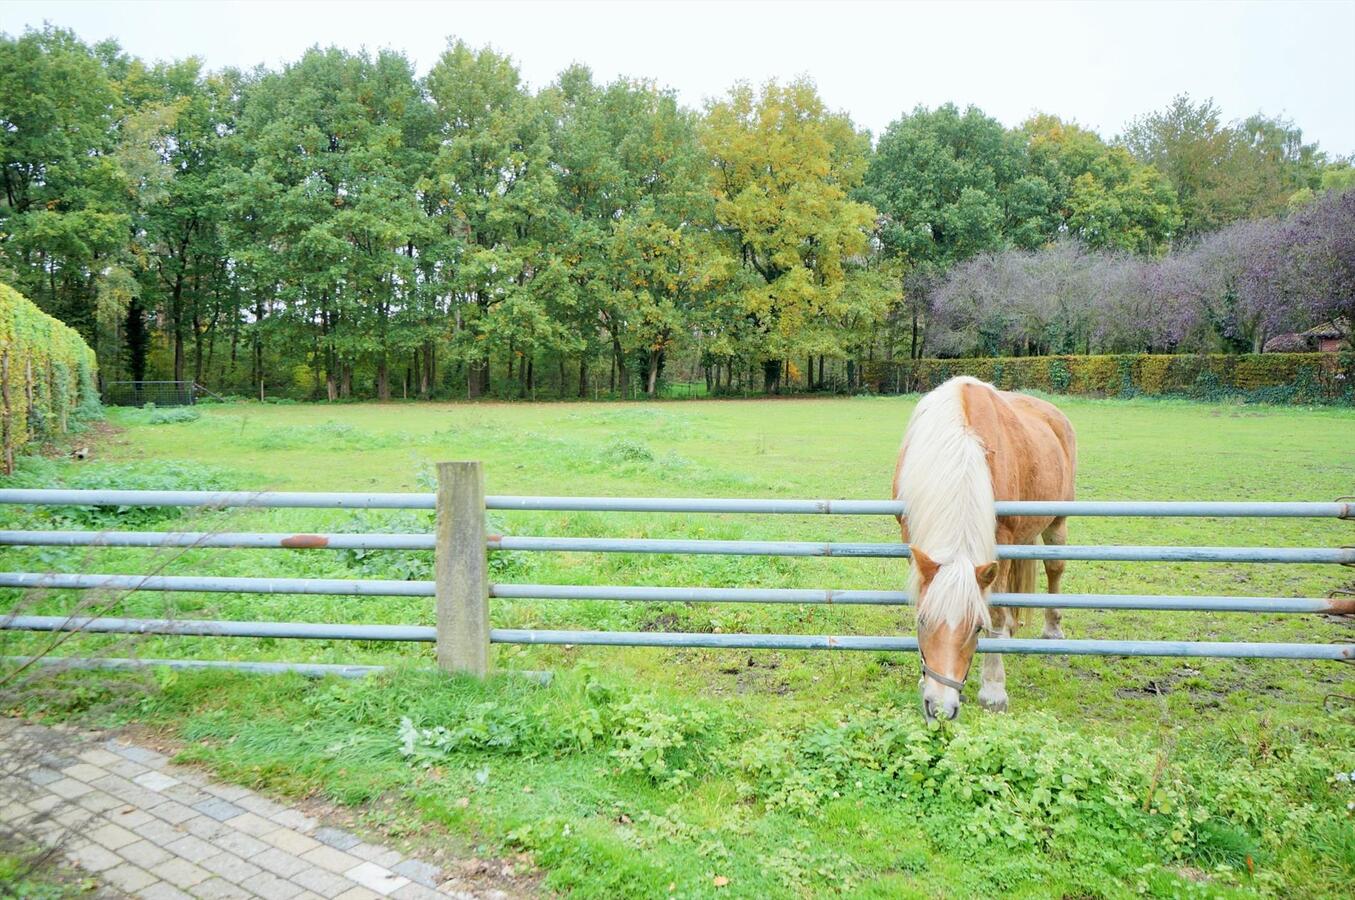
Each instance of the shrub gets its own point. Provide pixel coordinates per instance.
(176, 416)
(1262, 378)
(47, 372)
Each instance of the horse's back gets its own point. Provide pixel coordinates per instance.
(1032, 449)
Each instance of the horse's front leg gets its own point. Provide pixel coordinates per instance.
(993, 690)
(1055, 535)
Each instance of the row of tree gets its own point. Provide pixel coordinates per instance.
(1230, 291)
(342, 227)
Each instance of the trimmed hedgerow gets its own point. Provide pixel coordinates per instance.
(1300, 378)
(47, 373)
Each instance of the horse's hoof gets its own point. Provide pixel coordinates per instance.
(1053, 634)
(994, 700)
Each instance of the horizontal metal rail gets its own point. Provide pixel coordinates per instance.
(311, 670)
(1186, 508)
(221, 499)
(266, 540)
(813, 596)
(1226, 649)
(211, 539)
(810, 596)
(300, 630)
(219, 585)
(361, 500)
(312, 631)
(1005, 551)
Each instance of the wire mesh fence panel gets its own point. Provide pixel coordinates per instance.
(139, 393)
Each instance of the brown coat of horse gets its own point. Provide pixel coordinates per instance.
(1030, 453)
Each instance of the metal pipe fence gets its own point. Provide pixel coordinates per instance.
(257, 540)
(797, 596)
(461, 589)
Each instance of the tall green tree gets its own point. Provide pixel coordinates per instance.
(1223, 173)
(1100, 193)
(492, 196)
(65, 211)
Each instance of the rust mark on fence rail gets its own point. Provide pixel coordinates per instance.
(1343, 605)
(305, 542)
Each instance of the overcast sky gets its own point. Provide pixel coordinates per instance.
(1099, 63)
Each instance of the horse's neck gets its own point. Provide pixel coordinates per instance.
(946, 482)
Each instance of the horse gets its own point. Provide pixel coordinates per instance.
(967, 446)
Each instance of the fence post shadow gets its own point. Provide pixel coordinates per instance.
(462, 570)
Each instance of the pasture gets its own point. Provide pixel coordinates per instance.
(693, 773)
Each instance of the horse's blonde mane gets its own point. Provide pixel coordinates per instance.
(944, 479)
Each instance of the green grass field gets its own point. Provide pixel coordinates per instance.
(694, 773)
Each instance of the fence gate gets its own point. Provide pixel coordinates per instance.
(139, 393)
(462, 592)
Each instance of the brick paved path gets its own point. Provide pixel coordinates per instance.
(158, 831)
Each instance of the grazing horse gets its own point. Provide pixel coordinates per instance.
(967, 446)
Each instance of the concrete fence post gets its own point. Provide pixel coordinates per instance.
(462, 578)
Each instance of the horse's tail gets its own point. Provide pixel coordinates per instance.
(1020, 580)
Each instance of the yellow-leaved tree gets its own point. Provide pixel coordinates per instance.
(782, 169)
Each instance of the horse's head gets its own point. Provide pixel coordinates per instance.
(952, 608)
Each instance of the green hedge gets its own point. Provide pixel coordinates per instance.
(1300, 378)
(47, 375)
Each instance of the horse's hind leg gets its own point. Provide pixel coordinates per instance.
(1055, 534)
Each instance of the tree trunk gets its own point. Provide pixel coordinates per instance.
(583, 376)
(771, 376)
(652, 377)
(383, 387)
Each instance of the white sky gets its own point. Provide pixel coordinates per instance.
(1100, 64)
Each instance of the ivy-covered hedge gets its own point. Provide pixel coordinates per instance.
(47, 375)
(1255, 377)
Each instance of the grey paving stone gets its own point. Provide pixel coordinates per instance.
(382, 856)
(218, 889)
(57, 760)
(42, 775)
(114, 837)
(162, 891)
(98, 757)
(252, 824)
(260, 806)
(218, 809)
(416, 870)
(172, 811)
(322, 882)
(358, 892)
(68, 788)
(93, 857)
(83, 771)
(278, 861)
(125, 768)
(229, 792)
(208, 829)
(155, 781)
(376, 878)
(230, 867)
(271, 887)
(290, 818)
(144, 853)
(139, 755)
(336, 838)
(415, 891)
(181, 873)
(192, 848)
(293, 842)
(240, 844)
(97, 801)
(335, 861)
(187, 794)
(128, 877)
